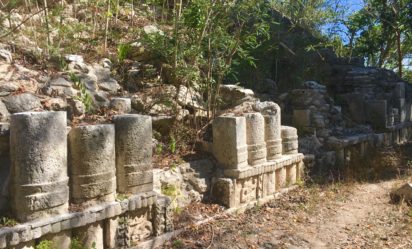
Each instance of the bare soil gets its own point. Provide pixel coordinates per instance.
(334, 215)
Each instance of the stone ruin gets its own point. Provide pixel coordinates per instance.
(257, 158)
(92, 182)
(359, 109)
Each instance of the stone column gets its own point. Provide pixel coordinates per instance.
(289, 140)
(134, 153)
(273, 136)
(255, 138)
(92, 164)
(39, 164)
(229, 141)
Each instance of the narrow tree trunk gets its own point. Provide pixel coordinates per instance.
(106, 32)
(399, 48)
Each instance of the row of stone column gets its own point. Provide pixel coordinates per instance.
(252, 139)
(92, 157)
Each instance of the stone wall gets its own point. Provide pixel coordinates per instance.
(91, 182)
(257, 158)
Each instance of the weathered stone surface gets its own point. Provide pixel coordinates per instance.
(6, 55)
(133, 151)
(229, 141)
(4, 113)
(233, 95)
(289, 140)
(403, 193)
(255, 138)
(190, 97)
(22, 102)
(61, 240)
(92, 163)
(301, 118)
(39, 164)
(139, 225)
(90, 236)
(267, 107)
(273, 137)
(121, 105)
(76, 107)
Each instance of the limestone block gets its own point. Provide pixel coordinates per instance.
(376, 113)
(229, 142)
(122, 105)
(133, 153)
(289, 140)
(27, 245)
(110, 233)
(255, 138)
(280, 178)
(246, 190)
(223, 191)
(300, 171)
(92, 164)
(60, 240)
(399, 91)
(163, 216)
(273, 136)
(301, 118)
(269, 183)
(291, 174)
(39, 164)
(139, 225)
(90, 236)
(401, 105)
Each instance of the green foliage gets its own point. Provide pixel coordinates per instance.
(7, 221)
(174, 192)
(84, 96)
(123, 51)
(178, 244)
(172, 145)
(45, 244)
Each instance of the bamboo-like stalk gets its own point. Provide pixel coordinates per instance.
(106, 32)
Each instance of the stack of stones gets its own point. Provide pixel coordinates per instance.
(258, 157)
(51, 170)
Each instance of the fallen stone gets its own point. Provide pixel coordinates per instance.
(74, 58)
(233, 95)
(22, 103)
(314, 85)
(8, 87)
(121, 105)
(190, 97)
(403, 193)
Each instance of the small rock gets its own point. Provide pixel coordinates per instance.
(314, 85)
(22, 103)
(190, 97)
(55, 104)
(110, 85)
(6, 56)
(76, 107)
(74, 58)
(151, 29)
(106, 63)
(122, 105)
(403, 193)
(8, 87)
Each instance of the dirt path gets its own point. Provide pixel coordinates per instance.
(336, 216)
